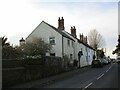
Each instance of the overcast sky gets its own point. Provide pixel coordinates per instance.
(20, 17)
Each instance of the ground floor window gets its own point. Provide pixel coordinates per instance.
(71, 56)
(52, 54)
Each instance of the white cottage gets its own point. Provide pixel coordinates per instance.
(64, 43)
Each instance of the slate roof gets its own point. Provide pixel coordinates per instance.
(80, 41)
(62, 33)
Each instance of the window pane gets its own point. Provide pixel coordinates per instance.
(68, 42)
(52, 40)
(72, 44)
(52, 54)
(71, 56)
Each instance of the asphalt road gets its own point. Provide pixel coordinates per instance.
(106, 77)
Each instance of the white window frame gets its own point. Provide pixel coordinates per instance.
(52, 40)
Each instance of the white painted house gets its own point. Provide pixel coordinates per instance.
(63, 43)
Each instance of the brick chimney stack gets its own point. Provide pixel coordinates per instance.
(86, 39)
(73, 31)
(82, 37)
(61, 24)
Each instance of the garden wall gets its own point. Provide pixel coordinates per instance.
(20, 71)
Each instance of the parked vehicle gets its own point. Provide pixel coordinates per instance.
(114, 61)
(109, 60)
(118, 59)
(97, 63)
(104, 61)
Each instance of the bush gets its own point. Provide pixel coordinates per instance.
(36, 47)
(33, 57)
(34, 60)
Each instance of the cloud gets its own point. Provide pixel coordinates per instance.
(76, 0)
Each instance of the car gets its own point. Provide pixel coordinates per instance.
(118, 59)
(109, 60)
(97, 63)
(104, 61)
(114, 61)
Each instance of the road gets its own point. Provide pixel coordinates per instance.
(106, 77)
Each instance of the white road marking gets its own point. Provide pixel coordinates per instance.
(87, 86)
(100, 76)
(107, 70)
(109, 67)
(97, 79)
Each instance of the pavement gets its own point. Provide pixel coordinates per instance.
(51, 79)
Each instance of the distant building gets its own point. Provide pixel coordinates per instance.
(63, 43)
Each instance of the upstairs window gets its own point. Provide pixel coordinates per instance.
(68, 42)
(71, 56)
(72, 43)
(52, 40)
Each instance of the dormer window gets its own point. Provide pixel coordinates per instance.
(52, 40)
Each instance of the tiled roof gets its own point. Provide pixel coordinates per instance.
(80, 41)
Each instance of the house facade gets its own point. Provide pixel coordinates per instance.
(64, 43)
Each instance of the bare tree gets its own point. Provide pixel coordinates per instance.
(95, 39)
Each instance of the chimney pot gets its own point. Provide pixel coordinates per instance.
(59, 19)
(82, 37)
(74, 27)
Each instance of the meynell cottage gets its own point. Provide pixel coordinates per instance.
(63, 43)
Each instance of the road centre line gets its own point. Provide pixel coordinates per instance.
(109, 67)
(97, 78)
(107, 70)
(100, 76)
(87, 86)
(103, 73)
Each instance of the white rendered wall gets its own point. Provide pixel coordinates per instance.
(45, 32)
(68, 49)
